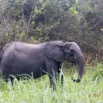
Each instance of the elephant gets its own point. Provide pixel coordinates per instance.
(19, 58)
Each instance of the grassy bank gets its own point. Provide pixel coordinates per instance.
(89, 90)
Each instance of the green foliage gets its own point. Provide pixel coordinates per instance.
(38, 90)
(73, 10)
(72, 20)
(99, 73)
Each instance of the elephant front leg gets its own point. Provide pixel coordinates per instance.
(53, 78)
(53, 72)
(60, 77)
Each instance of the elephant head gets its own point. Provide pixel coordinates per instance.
(69, 51)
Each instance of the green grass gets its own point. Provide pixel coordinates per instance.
(89, 90)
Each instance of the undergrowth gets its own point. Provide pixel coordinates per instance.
(89, 90)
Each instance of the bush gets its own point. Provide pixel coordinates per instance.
(44, 20)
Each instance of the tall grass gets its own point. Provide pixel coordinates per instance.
(89, 90)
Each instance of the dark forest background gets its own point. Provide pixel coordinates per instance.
(36, 21)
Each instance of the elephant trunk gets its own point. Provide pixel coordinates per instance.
(80, 62)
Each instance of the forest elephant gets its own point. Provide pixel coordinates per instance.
(19, 58)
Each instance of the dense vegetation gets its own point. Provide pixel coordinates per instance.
(89, 90)
(43, 20)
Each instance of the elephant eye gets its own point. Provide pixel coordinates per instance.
(69, 54)
(72, 51)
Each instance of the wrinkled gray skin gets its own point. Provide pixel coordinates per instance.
(45, 58)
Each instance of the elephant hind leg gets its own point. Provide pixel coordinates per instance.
(5, 72)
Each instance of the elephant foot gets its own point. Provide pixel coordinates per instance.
(76, 80)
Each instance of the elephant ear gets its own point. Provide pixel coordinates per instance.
(54, 50)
